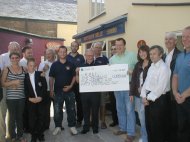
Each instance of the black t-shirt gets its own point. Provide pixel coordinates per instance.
(78, 60)
(63, 74)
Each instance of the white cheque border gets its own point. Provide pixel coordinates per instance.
(104, 78)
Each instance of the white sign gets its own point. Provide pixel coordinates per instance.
(104, 78)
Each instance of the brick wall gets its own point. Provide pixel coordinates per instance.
(44, 28)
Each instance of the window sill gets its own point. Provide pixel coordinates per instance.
(100, 15)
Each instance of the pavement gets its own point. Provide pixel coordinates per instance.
(104, 135)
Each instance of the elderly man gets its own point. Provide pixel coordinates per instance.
(125, 108)
(181, 88)
(170, 59)
(101, 60)
(5, 61)
(45, 68)
(90, 100)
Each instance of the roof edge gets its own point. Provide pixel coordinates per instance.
(53, 21)
(30, 34)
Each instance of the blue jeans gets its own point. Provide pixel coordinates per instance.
(125, 112)
(69, 99)
(141, 113)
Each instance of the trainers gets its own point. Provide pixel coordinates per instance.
(56, 130)
(73, 130)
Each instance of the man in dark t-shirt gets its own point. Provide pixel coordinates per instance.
(62, 79)
(77, 59)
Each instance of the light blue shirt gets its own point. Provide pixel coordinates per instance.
(182, 70)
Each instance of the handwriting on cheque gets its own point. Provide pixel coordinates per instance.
(90, 78)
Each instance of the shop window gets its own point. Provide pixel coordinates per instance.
(104, 49)
(179, 43)
(110, 44)
(97, 7)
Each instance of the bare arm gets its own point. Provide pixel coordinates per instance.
(67, 88)
(175, 88)
(7, 83)
(77, 75)
(51, 83)
(175, 84)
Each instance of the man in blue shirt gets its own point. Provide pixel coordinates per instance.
(77, 59)
(181, 88)
(62, 79)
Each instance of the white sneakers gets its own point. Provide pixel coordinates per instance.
(56, 131)
(73, 130)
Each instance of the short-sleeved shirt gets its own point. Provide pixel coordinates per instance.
(182, 70)
(5, 60)
(102, 60)
(23, 62)
(63, 74)
(41, 66)
(78, 60)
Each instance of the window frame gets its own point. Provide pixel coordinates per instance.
(96, 13)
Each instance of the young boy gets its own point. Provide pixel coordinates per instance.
(35, 91)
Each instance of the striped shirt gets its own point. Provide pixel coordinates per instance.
(16, 93)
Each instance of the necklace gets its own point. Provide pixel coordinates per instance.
(16, 70)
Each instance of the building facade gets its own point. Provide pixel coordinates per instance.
(52, 18)
(133, 20)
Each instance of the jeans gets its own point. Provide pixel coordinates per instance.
(69, 99)
(15, 110)
(141, 113)
(125, 112)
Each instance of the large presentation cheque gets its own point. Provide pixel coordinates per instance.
(104, 78)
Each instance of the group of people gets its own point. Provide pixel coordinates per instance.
(159, 91)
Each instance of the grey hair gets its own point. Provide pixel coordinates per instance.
(89, 50)
(160, 49)
(51, 50)
(187, 28)
(97, 44)
(13, 44)
(171, 35)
